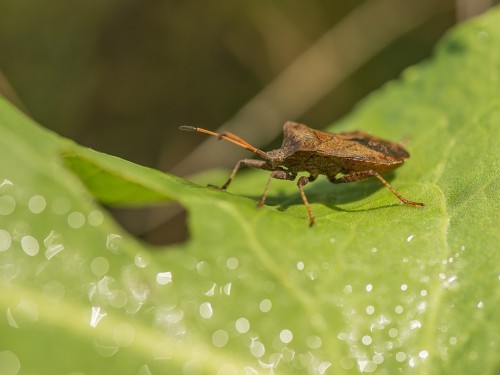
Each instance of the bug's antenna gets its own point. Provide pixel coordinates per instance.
(230, 137)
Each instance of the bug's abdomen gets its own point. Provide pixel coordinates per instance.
(350, 165)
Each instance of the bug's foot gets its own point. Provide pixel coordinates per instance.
(223, 188)
(411, 203)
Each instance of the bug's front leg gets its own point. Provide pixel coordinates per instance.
(251, 163)
(357, 176)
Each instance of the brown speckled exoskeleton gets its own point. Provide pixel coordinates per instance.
(356, 155)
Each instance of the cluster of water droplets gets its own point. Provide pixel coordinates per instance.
(373, 336)
(55, 263)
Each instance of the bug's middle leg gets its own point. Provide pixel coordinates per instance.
(279, 174)
(303, 181)
(358, 176)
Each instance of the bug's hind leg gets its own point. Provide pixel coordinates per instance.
(303, 181)
(358, 176)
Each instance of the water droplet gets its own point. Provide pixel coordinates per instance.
(412, 362)
(242, 325)
(99, 266)
(480, 305)
(144, 370)
(96, 315)
(414, 324)
(400, 356)
(410, 237)
(365, 365)
(373, 249)
(123, 334)
(286, 336)
(421, 306)
(370, 310)
(76, 220)
(118, 299)
(203, 268)
(164, 278)
(95, 218)
(220, 338)
(453, 340)
(347, 289)
(30, 245)
(37, 204)
(423, 292)
(232, 263)
(323, 366)
(5, 240)
(369, 288)
(332, 240)
(7, 205)
(366, 340)
(226, 289)
(483, 37)
(450, 282)
(257, 348)
(206, 310)
(9, 363)
(106, 349)
(10, 318)
(473, 355)
(314, 342)
(343, 336)
(300, 266)
(142, 259)
(25, 311)
(211, 291)
(404, 287)
(265, 305)
(378, 358)
(53, 250)
(399, 309)
(393, 332)
(61, 205)
(6, 183)
(113, 243)
(346, 363)
(423, 354)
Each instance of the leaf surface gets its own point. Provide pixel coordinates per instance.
(374, 286)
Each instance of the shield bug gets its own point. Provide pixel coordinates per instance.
(355, 155)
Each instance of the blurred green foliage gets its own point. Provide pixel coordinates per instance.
(120, 76)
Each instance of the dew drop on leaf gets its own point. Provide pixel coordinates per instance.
(30, 245)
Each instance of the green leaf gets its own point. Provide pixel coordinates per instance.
(373, 286)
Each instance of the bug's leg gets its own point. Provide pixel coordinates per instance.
(252, 163)
(357, 176)
(303, 181)
(279, 174)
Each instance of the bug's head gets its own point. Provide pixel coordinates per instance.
(275, 158)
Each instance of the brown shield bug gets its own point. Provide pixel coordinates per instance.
(356, 155)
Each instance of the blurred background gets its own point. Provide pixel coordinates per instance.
(120, 76)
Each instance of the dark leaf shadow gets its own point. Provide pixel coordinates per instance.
(331, 195)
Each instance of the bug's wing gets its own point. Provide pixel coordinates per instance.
(361, 147)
